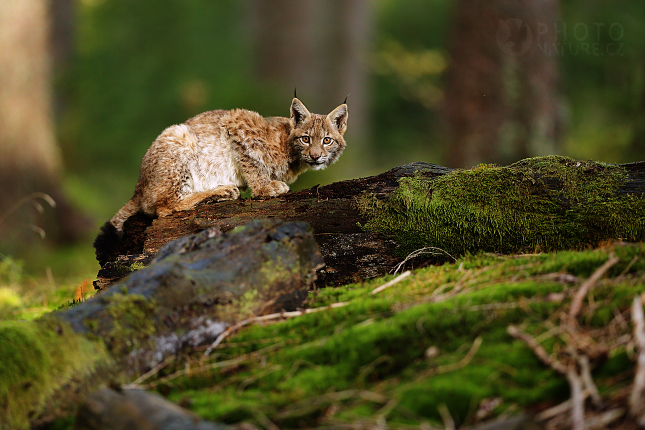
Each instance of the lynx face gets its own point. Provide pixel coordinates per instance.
(318, 138)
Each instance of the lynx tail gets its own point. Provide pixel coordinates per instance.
(129, 209)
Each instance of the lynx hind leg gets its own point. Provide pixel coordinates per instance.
(217, 194)
(272, 189)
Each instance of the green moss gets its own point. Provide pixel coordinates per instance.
(297, 370)
(132, 318)
(36, 358)
(125, 269)
(510, 209)
(136, 266)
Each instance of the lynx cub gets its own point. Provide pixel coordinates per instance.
(213, 154)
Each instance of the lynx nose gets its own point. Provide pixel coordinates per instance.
(315, 157)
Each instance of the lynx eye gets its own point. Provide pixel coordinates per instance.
(305, 139)
(327, 140)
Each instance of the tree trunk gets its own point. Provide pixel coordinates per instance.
(319, 48)
(30, 160)
(502, 100)
(353, 253)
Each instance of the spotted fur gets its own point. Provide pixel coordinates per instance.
(214, 154)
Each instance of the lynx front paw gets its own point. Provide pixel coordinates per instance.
(272, 189)
(223, 192)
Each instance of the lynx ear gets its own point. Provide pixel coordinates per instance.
(299, 112)
(338, 118)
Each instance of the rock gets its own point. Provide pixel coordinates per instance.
(108, 409)
(197, 286)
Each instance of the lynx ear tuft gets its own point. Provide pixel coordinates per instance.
(299, 112)
(338, 118)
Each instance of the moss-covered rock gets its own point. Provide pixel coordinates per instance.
(187, 297)
(546, 203)
(436, 337)
(37, 358)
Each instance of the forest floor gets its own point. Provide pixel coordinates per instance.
(442, 346)
(46, 280)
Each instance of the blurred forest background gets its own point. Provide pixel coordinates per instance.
(87, 85)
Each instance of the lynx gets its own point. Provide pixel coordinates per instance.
(212, 155)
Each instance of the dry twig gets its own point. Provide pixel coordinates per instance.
(444, 412)
(396, 280)
(425, 250)
(637, 395)
(577, 400)
(582, 292)
(233, 328)
(137, 382)
(537, 349)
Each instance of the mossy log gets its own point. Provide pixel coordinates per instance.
(195, 288)
(364, 227)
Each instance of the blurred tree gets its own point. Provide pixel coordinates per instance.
(320, 48)
(638, 142)
(501, 97)
(30, 160)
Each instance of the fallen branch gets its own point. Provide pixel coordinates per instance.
(577, 399)
(425, 250)
(538, 349)
(209, 366)
(582, 292)
(235, 327)
(637, 395)
(394, 281)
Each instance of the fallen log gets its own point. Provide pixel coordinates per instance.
(364, 227)
(350, 253)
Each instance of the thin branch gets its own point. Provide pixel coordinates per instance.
(394, 281)
(233, 328)
(589, 385)
(261, 418)
(582, 292)
(537, 349)
(637, 395)
(577, 400)
(37, 195)
(425, 250)
(603, 420)
(463, 362)
(210, 366)
(248, 381)
(200, 369)
(151, 372)
(629, 266)
(554, 411)
(444, 412)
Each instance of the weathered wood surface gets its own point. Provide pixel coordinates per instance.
(350, 253)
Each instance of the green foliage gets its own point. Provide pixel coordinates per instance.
(510, 209)
(27, 291)
(369, 357)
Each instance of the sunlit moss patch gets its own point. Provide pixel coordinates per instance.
(545, 203)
